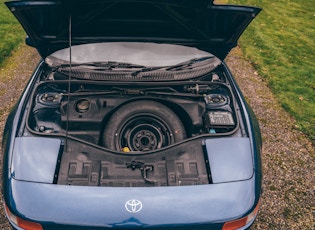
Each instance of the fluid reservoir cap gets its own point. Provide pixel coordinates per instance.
(82, 105)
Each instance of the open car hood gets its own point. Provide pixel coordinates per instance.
(199, 23)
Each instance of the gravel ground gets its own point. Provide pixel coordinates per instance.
(288, 156)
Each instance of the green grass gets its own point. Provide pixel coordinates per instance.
(11, 33)
(280, 42)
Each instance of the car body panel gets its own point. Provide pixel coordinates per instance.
(230, 159)
(214, 28)
(33, 161)
(98, 206)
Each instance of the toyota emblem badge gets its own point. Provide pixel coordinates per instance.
(133, 206)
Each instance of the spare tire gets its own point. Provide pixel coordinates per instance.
(142, 126)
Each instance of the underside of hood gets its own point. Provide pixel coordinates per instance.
(54, 25)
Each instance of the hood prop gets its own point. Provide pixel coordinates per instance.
(69, 78)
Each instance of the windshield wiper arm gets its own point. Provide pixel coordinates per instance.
(108, 65)
(146, 69)
(188, 64)
(183, 65)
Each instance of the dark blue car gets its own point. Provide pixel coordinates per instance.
(132, 119)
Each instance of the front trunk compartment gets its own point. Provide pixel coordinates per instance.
(84, 112)
(130, 134)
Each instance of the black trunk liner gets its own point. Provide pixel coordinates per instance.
(182, 164)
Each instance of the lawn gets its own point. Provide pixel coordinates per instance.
(280, 43)
(11, 33)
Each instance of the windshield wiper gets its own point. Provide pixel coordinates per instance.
(103, 65)
(188, 64)
(146, 69)
(181, 66)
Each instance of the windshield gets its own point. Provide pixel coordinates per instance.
(132, 60)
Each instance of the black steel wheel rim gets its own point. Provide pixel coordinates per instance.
(143, 133)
